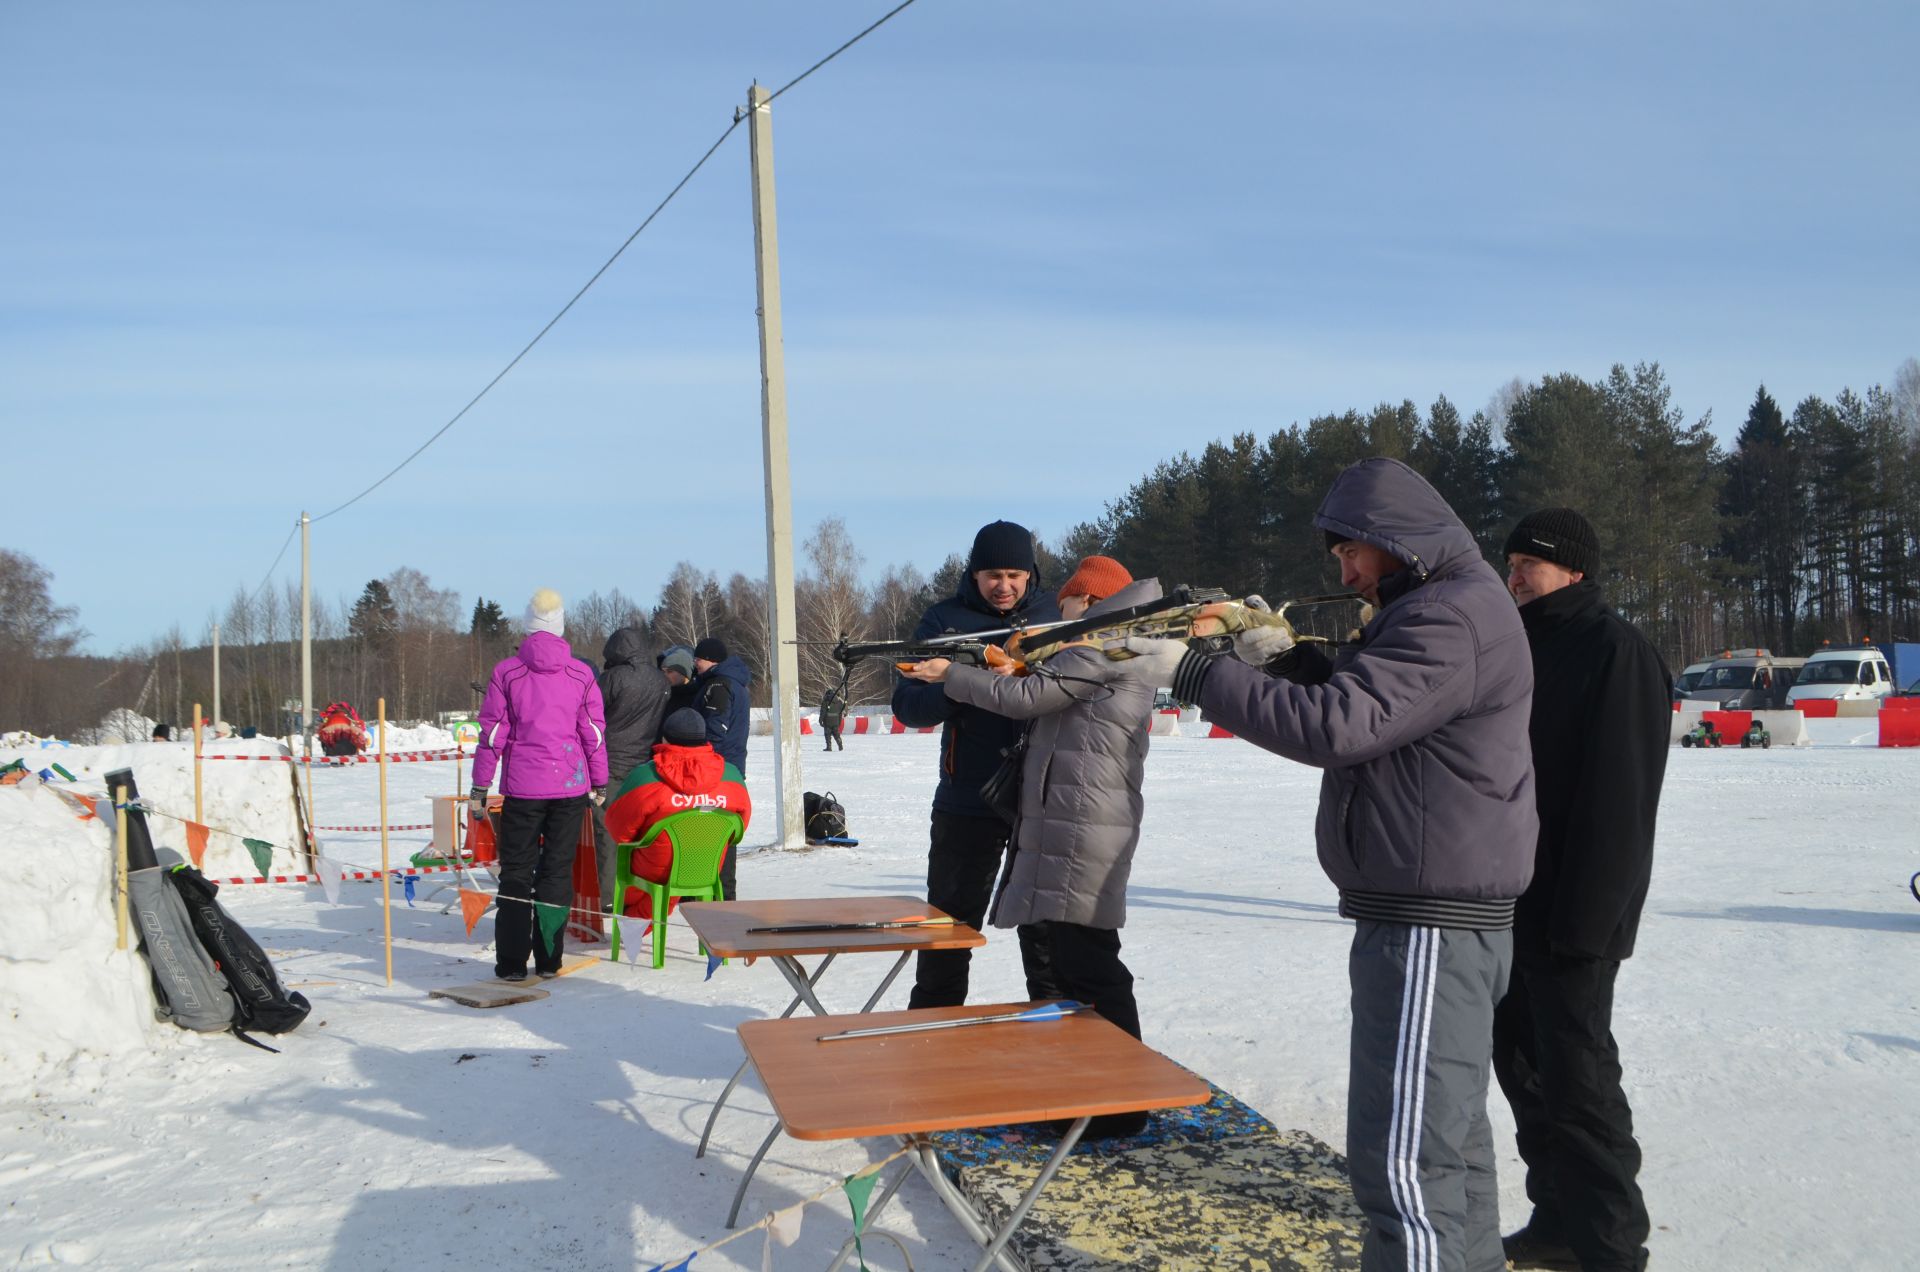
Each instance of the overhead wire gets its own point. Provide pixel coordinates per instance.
(268, 577)
(608, 264)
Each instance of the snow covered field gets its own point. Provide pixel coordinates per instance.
(1770, 1026)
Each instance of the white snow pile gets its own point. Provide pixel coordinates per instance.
(72, 1002)
(246, 797)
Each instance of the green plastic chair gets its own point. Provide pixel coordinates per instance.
(701, 838)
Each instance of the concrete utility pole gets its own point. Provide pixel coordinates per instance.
(216, 674)
(306, 638)
(781, 626)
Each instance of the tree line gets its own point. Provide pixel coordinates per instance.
(1805, 529)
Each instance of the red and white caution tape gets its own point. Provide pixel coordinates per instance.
(422, 826)
(397, 757)
(348, 874)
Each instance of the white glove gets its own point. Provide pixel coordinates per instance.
(1258, 646)
(1157, 657)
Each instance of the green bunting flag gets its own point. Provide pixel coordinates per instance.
(552, 917)
(859, 1189)
(261, 851)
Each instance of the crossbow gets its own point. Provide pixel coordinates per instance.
(1207, 615)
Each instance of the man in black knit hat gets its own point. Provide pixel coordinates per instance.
(1601, 711)
(1000, 588)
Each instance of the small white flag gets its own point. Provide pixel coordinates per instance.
(330, 872)
(784, 1226)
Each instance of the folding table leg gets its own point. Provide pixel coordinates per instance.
(927, 1161)
(740, 1193)
(714, 1114)
(993, 1253)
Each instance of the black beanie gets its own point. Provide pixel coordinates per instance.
(712, 649)
(1559, 535)
(1001, 545)
(685, 727)
(1335, 538)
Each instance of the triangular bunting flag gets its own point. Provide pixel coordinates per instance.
(406, 886)
(472, 905)
(552, 918)
(859, 1188)
(330, 874)
(785, 1224)
(713, 962)
(88, 808)
(673, 1267)
(261, 851)
(197, 844)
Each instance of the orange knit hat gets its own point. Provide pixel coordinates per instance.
(1097, 578)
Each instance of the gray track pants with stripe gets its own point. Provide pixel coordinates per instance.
(1419, 1148)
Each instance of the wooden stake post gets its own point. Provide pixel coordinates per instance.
(120, 867)
(386, 889)
(197, 814)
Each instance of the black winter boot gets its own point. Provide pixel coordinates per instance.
(1538, 1246)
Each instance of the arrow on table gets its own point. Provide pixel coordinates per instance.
(1048, 1011)
(878, 925)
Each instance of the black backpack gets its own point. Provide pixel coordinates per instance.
(825, 818)
(262, 1003)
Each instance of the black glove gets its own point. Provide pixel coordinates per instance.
(599, 797)
(477, 802)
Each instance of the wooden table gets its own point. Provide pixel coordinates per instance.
(722, 927)
(910, 1085)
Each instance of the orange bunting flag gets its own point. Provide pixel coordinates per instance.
(88, 808)
(197, 844)
(472, 906)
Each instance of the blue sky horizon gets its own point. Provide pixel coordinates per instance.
(255, 256)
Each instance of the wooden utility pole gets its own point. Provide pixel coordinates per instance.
(216, 676)
(306, 634)
(782, 655)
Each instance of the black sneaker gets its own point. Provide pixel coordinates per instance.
(545, 974)
(515, 977)
(1535, 1246)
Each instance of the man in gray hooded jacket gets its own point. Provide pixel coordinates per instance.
(1427, 826)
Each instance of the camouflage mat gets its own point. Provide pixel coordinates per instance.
(1214, 1187)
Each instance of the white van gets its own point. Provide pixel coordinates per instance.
(1858, 671)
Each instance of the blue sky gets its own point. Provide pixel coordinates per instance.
(251, 256)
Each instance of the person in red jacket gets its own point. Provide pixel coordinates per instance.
(685, 773)
(341, 730)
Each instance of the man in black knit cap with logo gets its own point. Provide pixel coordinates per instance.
(1601, 712)
(1001, 587)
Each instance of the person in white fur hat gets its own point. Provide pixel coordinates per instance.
(544, 720)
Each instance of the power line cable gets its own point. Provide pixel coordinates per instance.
(268, 577)
(738, 117)
(543, 331)
(883, 19)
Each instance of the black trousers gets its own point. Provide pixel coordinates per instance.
(833, 737)
(962, 864)
(538, 838)
(1554, 1053)
(1087, 967)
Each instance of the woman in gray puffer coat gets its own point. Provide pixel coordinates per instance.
(1080, 804)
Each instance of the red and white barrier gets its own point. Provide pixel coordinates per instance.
(1900, 722)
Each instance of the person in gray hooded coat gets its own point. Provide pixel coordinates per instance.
(1427, 826)
(1080, 804)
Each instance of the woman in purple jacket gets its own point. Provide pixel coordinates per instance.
(543, 719)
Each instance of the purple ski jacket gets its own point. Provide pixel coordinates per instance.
(1426, 802)
(543, 718)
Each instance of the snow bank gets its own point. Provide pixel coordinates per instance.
(72, 1001)
(248, 797)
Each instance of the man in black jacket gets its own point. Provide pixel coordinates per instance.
(1601, 711)
(635, 692)
(1000, 588)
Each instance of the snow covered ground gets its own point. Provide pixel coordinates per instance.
(1770, 1026)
